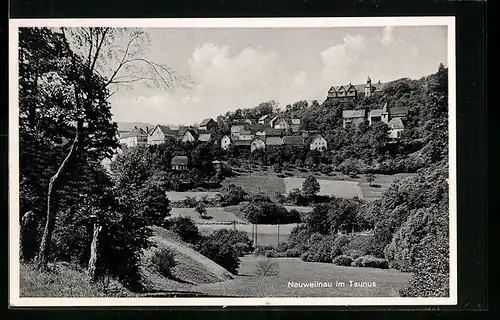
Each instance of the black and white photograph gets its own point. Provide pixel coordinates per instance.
(216, 162)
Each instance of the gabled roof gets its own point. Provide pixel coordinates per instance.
(206, 121)
(293, 140)
(166, 131)
(242, 142)
(193, 133)
(332, 89)
(274, 141)
(136, 132)
(399, 110)
(376, 113)
(260, 139)
(396, 123)
(347, 114)
(264, 117)
(179, 160)
(269, 132)
(204, 137)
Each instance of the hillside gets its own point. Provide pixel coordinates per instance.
(192, 269)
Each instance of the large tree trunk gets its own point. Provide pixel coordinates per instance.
(50, 223)
(94, 250)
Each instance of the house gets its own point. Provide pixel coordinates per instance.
(295, 141)
(274, 141)
(318, 143)
(295, 125)
(257, 144)
(281, 124)
(351, 91)
(225, 142)
(237, 128)
(135, 137)
(160, 134)
(245, 135)
(207, 124)
(264, 119)
(189, 136)
(354, 117)
(205, 137)
(272, 122)
(179, 163)
(375, 116)
(397, 127)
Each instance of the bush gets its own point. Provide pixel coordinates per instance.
(359, 245)
(223, 254)
(232, 237)
(342, 260)
(232, 195)
(164, 261)
(242, 248)
(371, 262)
(184, 227)
(274, 254)
(261, 250)
(266, 267)
(293, 253)
(340, 245)
(320, 251)
(189, 202)
(258, 197)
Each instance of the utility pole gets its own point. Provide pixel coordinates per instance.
(278, 234)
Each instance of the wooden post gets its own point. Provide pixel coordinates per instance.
(256, 232)
(278, 234)
(234, 224)
(94, 247)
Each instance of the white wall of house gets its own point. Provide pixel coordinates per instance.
(188, 137)
(281, 124)
(395, 133)
(319, 143)
(225, 142)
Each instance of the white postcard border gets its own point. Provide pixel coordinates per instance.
(14, 294)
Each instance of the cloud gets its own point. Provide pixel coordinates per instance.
(387, 36)
(342, 59)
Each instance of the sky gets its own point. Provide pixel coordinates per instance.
(233, 68)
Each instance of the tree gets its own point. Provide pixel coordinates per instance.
(310, 187)
(201, 208)
(370, 178)
(87, 62)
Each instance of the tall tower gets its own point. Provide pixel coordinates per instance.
(368, 87)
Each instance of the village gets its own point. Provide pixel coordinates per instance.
(274, 130)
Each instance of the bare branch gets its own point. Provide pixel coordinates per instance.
(122, 62)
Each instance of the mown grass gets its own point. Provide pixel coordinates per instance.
(342, 189)
(248, 284)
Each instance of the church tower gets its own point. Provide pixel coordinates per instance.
(368, 87)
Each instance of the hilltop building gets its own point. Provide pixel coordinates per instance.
(135, 137)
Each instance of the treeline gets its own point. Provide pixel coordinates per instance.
(410, 224)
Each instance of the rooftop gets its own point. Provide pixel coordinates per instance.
(346, 114)
(293, 140)
(179, 160)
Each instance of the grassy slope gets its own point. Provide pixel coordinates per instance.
(388, 282)
(192, 268)
(62, 280)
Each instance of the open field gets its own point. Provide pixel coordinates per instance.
(179, 196)
(215, 215)
(269, 185)
(343, 189)
(247, 284)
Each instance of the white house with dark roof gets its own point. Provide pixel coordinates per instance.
(397, 127)
(318, 143)
(160, 134)
(282, 124)
(264, 119)
(295, 126)
(189, 136)
(179, 163)
(354, 117)
(135, 137)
